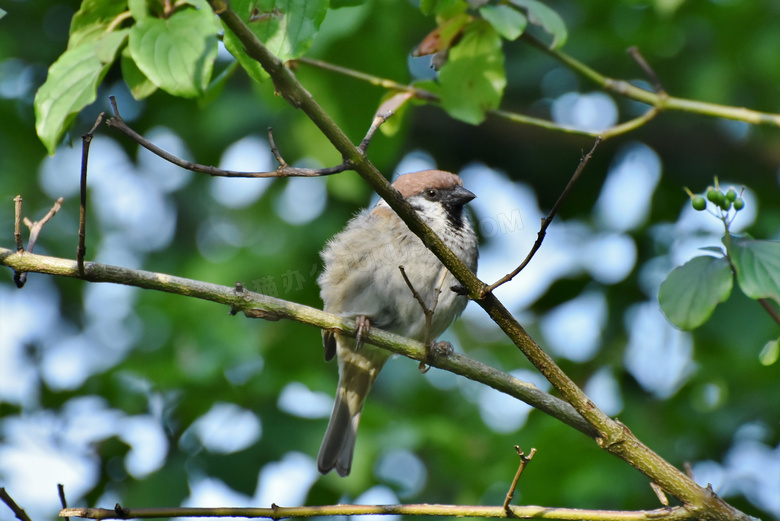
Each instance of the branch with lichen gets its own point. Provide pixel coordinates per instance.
(612, 436)
(256, 305)
(277, 512)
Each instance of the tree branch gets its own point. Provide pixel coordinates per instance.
(547, 220)
(283, 170)
(523, 462)
(256, 305)
(660, 100)
(277, 512)
(613, 436)
(20, 278)
(515, 117)
(86, 141)
(18, 511)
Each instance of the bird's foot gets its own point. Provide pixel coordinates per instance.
(441, 349)
(363, 327)
(433, 351)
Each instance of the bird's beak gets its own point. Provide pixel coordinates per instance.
(459, 196)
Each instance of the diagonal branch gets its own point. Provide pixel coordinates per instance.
(18, 511)
(613, 436)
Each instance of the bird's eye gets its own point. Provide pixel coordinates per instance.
(431, 193)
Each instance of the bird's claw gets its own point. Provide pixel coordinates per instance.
(434, 351)
(440, 349)
(363, 327)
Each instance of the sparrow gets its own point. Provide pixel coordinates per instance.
(362, 281)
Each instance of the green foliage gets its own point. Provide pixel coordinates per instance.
(72, 84)
(507, 22)
(541, 15)
(286, 27)
(473, 79)
(93, 20)
(175, 49)
(690, 293)
(757, 264)
(176, 53)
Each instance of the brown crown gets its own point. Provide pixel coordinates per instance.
(416, 182)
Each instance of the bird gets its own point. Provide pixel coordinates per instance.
(362, 281)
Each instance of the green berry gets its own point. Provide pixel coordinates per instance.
(731, 195)
(699, 203)
(715, 196)
(724, 204)
(739, 203)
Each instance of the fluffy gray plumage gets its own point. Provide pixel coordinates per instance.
(362, 279)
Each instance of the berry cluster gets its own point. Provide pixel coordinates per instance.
(718, 198)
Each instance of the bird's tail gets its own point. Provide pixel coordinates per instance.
(358, 370)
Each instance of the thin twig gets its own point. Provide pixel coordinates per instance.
(17, 510)
(660, 100)
(425, 95)
(86, 141)
(375, 124)
(547, 220)
(769, 309)
(17, 223)
(523, 462)
(424, 367)
(660, 494)
(63, 501)
(633, 51)
(657, 100)
(274, 149)
(370, 78)
(37, 226)
(20, 278)
(284, 170)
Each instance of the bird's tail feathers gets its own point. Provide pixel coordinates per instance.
(358, 372)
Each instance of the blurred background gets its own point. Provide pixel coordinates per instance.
(149, 399)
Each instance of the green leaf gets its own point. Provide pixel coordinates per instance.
(92, 19)
(769, 353)
(140, 86)
(397, 103)
(508, 22)
(758, 266)
(249, 64)
(177, 54)
(139, 9)
(473, 79)
(691, 292)
(541, 15)
(72, 84)
(286, 27)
